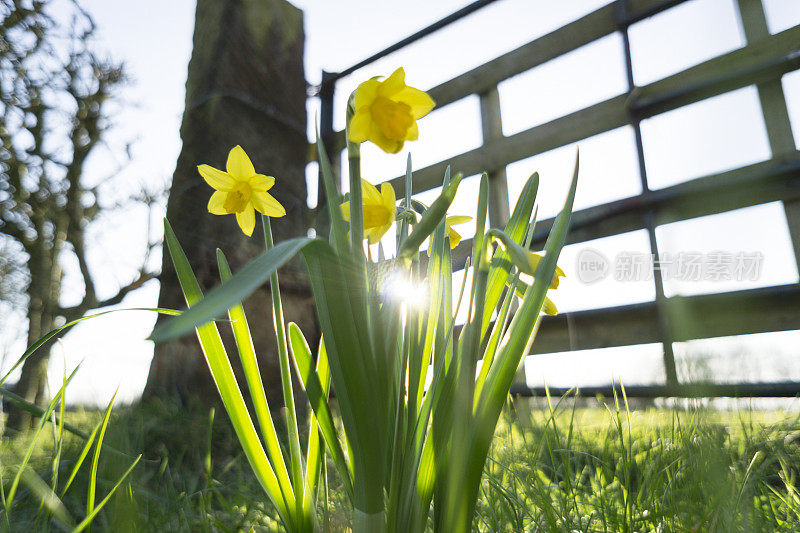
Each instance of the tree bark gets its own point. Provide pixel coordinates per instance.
(44, 291)
(245, 86)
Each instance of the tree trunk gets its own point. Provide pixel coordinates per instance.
(44, 292)
(245, 86)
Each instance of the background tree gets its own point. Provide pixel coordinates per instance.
(245, 86)
(54, 96)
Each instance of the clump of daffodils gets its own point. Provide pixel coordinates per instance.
(418, 398)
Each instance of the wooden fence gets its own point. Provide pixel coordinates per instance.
(761, 62)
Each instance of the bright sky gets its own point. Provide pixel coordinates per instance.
(710, 136)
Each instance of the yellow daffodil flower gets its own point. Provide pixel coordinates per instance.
(386, 112)
(549, 307)
(379, 210)
(240, 191)
(534, 262)
(454, 236)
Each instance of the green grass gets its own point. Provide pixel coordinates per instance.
(573, 466)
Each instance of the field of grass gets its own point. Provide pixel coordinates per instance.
(571, 466)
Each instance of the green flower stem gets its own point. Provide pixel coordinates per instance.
(362, 521)
(356, 208)
(286, 377)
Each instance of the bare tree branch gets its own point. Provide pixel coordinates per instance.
(75, 312)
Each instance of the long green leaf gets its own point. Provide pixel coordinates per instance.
(237, 288)
(222, 373)
(430, 220)
(279, 326)
(333, 200)
(522, 331)
(517, 224)
(361, 400)
(316, 384)
(247, 355)
(520, 335)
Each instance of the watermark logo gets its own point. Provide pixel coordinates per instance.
(718, 265)
(592, 266)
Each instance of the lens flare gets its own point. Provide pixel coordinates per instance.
(400, 288)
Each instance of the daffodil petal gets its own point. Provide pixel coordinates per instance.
(216, 202)
(376, 234)
(366, 92)
(218, 179)
(454, 236)
(534, 263)
(388, 198)
(413, 132)
(393, 84)
(549, 307)
(261, 183)
(239, 165)
(458, 219)
(533, 260)
(360, 126)
(265, 203)
(345, 207)
(247, 220)
(420, 103)
(373, 235)
(370, 193)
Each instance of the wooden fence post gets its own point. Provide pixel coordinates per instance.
(773, 106)
(492, 127)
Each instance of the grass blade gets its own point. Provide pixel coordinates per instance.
(88, 520)
(96, 457)
(48, 498)
(12, 491)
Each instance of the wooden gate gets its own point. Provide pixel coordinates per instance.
(761, 62)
